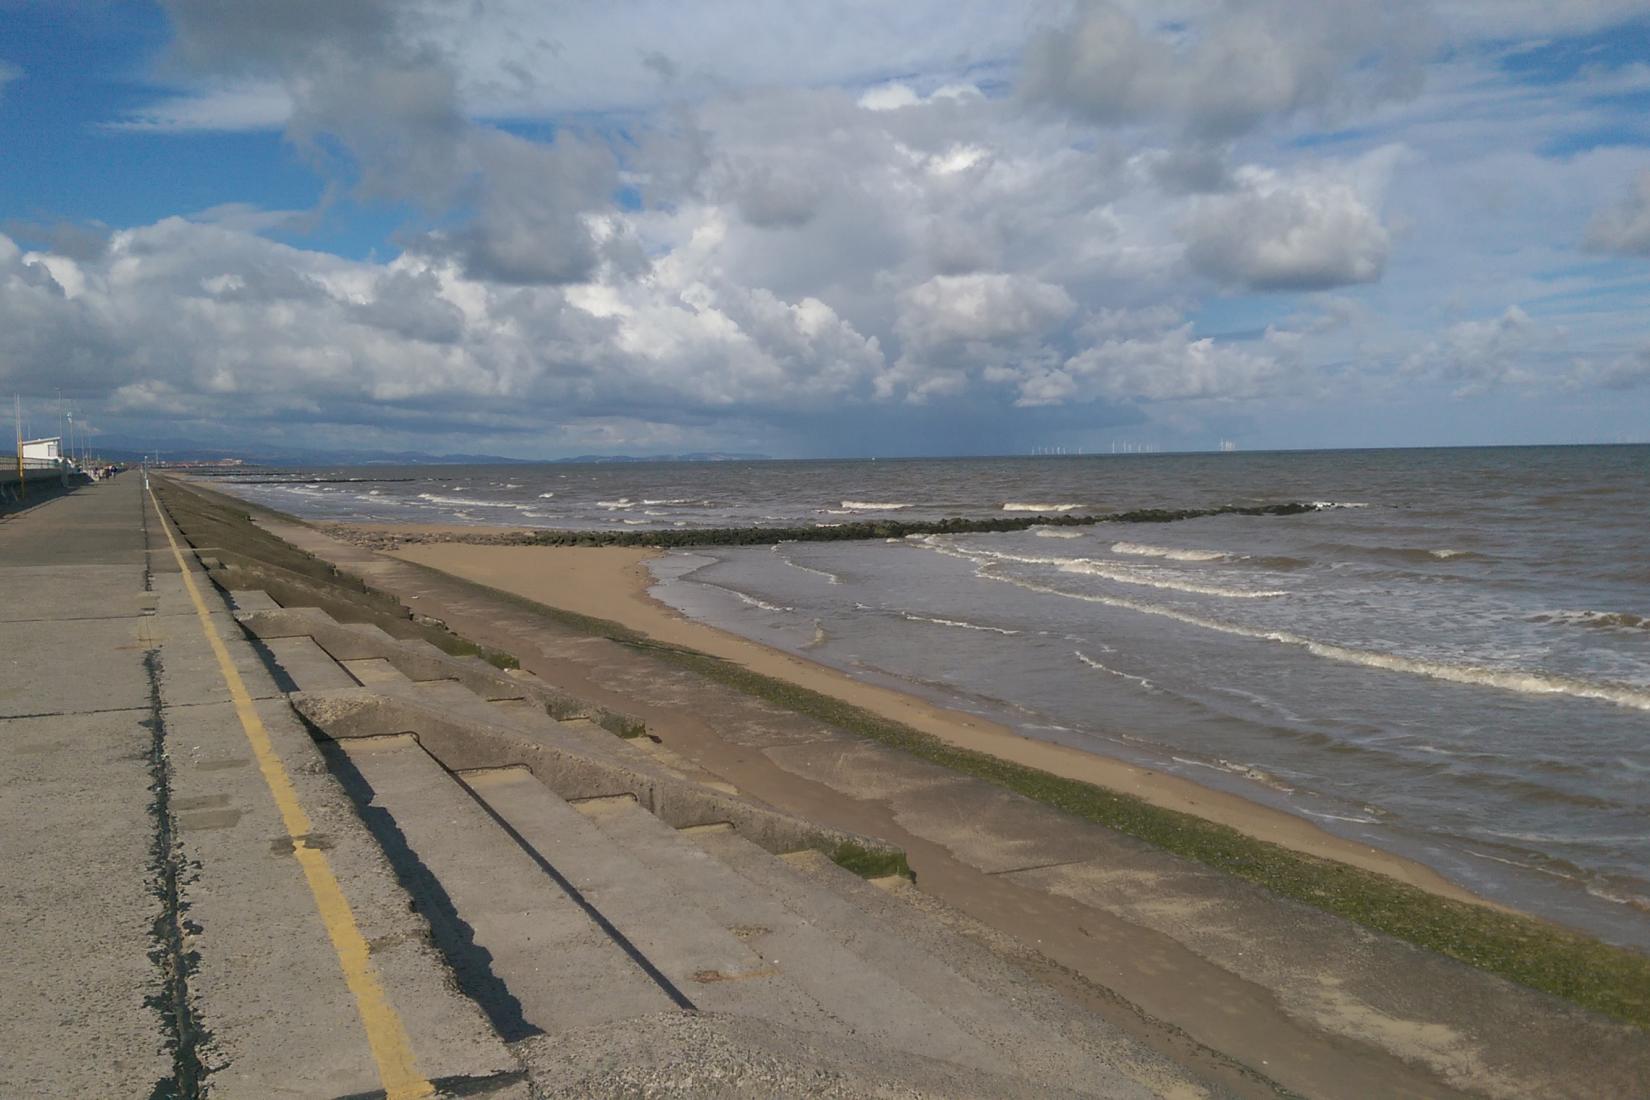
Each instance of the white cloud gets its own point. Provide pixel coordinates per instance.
(1625, 226)
(1161, 366)
(830, 212)
(980, 307)
(1478, 356)
(1310, 231)
(1223, 69)
(524, 59)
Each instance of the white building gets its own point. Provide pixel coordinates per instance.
(50, 448)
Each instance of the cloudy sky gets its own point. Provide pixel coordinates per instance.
(640, 226)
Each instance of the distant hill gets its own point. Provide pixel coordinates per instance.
(121, 451)
(697, 456)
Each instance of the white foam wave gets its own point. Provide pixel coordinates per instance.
(829, 576)
(1515, 680)
(1172, 553)
(675, 500)
(871, 506)
(634, 522)
(1445, 555)
(1019, 506)
(1123, 574)
(466, 502)
(613, 505)
(958, 623)
(1098, 667)
(1325, 505)
(754, 602)
(546, 496)
(1337, 817)
(1055, 533)
(1597, 620)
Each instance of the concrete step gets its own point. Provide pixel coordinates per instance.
(252, 599)
(1010, 1017)
(853, 996)
(681, 765)
(373, 670)
(524, 948)
(307, 667)
(657, 912)
(522, 714)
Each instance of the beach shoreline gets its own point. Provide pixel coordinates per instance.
(613, 583)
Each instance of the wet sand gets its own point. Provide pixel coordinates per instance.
(612, 583)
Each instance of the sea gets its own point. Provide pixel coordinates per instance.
(1449, 658)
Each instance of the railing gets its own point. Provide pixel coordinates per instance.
(37, 472)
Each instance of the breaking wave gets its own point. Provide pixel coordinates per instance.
(1122, 574)
(1098, 667)
(1596, 620)
(1170, 552)
(829, 576)
(1017, 506)
(466, 502)
(958, 623)
(872, 506)
(1522, 681)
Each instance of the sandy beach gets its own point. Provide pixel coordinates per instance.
(612, 583)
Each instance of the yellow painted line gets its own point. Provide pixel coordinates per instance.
(391, 1047)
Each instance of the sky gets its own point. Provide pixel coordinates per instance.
(826, 229)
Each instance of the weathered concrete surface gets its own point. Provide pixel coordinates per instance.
(156, 929)
(75, 824)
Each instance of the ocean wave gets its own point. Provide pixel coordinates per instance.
(1326, 505)
(1405, 554)
(1098, 667)
(1144, 576)
(958, 623)
(1596, 620)
(1170, 552)
(872, 506)
(829, 576)
(1055, 533)
(466, 502)
(1337, 817)
(1017, 506)
(634, 522)
(546, 496)
(674, 500)
(754, 602)
(1520, 681)
(613, 505)
(1248, 771)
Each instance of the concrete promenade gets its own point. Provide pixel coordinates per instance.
(187, 890)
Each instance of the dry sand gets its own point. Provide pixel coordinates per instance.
(612, 583)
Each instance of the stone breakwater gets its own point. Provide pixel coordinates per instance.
(390, 538)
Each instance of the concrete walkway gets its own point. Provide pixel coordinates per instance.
(189, 893)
